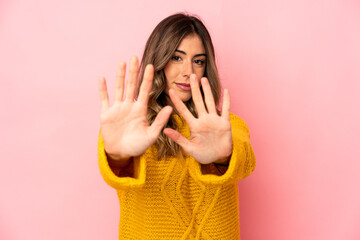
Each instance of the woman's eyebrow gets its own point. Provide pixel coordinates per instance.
(197, 55)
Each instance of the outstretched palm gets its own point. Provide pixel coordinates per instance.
(210, 134)
(124, 127)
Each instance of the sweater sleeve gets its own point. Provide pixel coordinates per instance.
(118, 182)
(242, 161)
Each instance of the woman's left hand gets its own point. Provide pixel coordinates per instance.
(210, 134)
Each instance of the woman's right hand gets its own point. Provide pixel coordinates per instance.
(124, 126)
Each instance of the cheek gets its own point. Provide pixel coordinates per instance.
(170, 73)
(200, 72)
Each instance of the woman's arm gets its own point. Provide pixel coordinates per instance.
(125, 131)
(127, 177)
(241, 164)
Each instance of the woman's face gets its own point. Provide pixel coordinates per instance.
(189, 58)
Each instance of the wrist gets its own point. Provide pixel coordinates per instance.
(115, 160)
(223, 161)
(222, 164)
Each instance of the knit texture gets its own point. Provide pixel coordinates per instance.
(173, 199)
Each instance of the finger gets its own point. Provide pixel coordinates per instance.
(119, 83)
(181, 107)
(132, 79)
(104, 97)
(226, 105)
(160, 121)
(178, 138)
(209, 98)
(146, 84)
(196, 95)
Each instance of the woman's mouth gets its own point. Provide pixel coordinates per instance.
(184, 86)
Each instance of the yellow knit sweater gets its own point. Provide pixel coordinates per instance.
(174, 199)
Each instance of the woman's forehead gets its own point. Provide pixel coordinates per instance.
(191, 45)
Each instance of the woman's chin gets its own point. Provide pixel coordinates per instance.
(185, 98)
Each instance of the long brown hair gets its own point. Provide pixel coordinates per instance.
(159, 49)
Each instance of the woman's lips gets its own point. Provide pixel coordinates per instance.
(183, 86)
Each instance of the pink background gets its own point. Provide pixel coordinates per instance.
(293, 69)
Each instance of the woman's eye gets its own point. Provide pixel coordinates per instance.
(199, 62)
(176, 58)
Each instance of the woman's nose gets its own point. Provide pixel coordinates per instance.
(187, 68)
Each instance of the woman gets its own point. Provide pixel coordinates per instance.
(172, 156)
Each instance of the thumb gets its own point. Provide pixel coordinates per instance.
(161, 119)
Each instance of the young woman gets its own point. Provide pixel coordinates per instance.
(172, 155)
